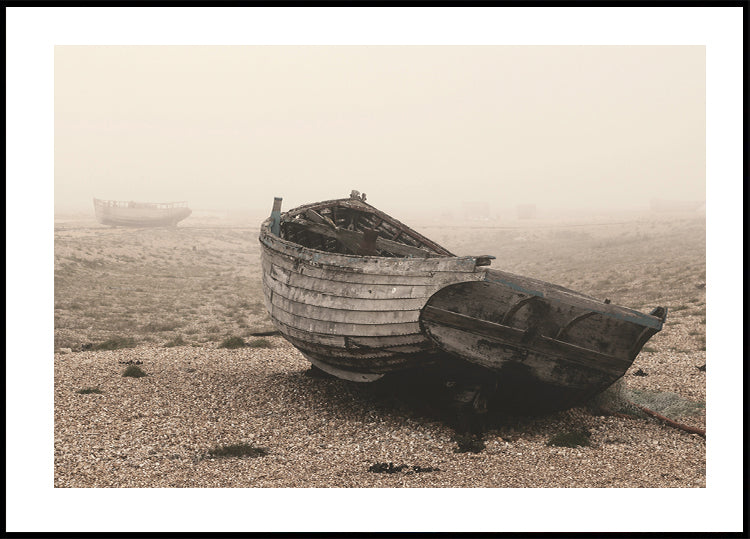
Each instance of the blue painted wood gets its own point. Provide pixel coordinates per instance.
(276, 217)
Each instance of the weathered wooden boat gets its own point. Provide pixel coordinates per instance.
(140, 214)
(361, 295)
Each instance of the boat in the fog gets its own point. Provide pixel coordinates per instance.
(361, 295)
(140, 214)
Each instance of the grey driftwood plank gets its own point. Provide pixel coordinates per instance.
(343, 315)
(391, 343)
(350, 290)
(330, 300)
(381, 276)
(368, 264)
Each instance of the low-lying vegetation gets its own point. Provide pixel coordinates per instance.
(115, 343)
(134, 371)
(260, 343)
(90, 390)
(237, 451)
(469, 443)
(576, 438)
(390, 468)
(177, 341)
(233, 342)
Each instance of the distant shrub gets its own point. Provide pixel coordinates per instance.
(468, 443)
(177, 341)
(115, 343)
(386, 467)
(233, 342)
(156, 327)
(134, 371)
(574, 438)
(260, 343)
(88, 390)
(237, 450)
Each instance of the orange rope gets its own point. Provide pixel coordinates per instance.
(681, 426)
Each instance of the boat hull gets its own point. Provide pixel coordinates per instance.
(542, 343)
(355, 313)
(112, 213)
(361, 316)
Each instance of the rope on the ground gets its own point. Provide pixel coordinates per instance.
(675, 424)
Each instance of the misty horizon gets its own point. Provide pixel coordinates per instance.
(415, 127)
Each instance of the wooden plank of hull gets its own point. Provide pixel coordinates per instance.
(534, 287)
(364, 264)
(347, 290)
(391, 343)
(374, 365)
(518, 335)
(345, 374)
(334, 301)
(376, 360)
(562, 316)
(347, 275)
(344, 315)
(492, 345)
(501, 357)
(344, 329)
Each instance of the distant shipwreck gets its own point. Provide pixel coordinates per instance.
(140, 214)
(362, 295)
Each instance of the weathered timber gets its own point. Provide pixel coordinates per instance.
(549, 337)
(315, 217)
(345, 303)
(349, 290)
(352, 239)
(342, 328)
(357, 357)
(344, 374)
(343, 315)
(369, 240)
(391, 343)
(563, 295)
(368, 264)
(519, 343)
(363, 207)
(372, 274)
(276, 217)
(360, 295)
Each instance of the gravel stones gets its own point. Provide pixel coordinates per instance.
(159, 431)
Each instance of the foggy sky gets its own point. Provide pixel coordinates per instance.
(412, 126)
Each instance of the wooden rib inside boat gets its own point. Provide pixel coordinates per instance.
(362, 295)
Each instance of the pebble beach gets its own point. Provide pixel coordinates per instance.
(172, 296)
